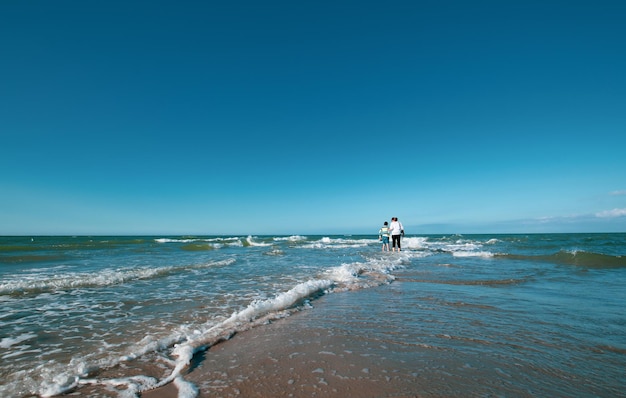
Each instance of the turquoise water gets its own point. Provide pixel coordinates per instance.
(523, 314)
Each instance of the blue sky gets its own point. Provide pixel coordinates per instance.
(283, 117)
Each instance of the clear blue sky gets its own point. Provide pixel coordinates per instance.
(302, 117)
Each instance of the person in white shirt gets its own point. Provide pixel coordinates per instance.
(396, 230)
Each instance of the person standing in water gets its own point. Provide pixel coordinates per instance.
(383, 234)
(396, 230)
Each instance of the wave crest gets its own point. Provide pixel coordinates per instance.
(40, 283)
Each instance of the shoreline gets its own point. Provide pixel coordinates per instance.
(452, 316)
(300, 356)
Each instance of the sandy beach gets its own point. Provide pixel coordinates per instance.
(301, 356)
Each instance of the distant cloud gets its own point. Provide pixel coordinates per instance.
(545, 220)
(541, 220)
(604, 221)
(552, 219)
(612, 213)
(618, 193)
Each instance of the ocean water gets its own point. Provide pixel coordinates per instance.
(540, 314)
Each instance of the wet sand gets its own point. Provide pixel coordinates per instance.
(302, 356)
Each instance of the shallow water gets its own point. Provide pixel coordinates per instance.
(517, 314)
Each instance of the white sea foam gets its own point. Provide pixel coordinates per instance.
(275, 252)
(345, 274)
(185, 389)
(59, 384)
(463, 246)
(37, 282)
(472, 254)
(459, 247)
(280, 302)
(374, 272)
(338, 243)
(252, 242)
(414, 243)
(217, 241)
(169, 240)
(293, 238)
(239, 321)
(7, 342)
(185, 344)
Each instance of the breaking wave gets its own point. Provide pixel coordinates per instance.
(39, 283)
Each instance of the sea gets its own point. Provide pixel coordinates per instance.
(521, 315)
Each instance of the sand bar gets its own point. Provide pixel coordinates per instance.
(300, 356)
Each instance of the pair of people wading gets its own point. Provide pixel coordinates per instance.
(395, 230)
